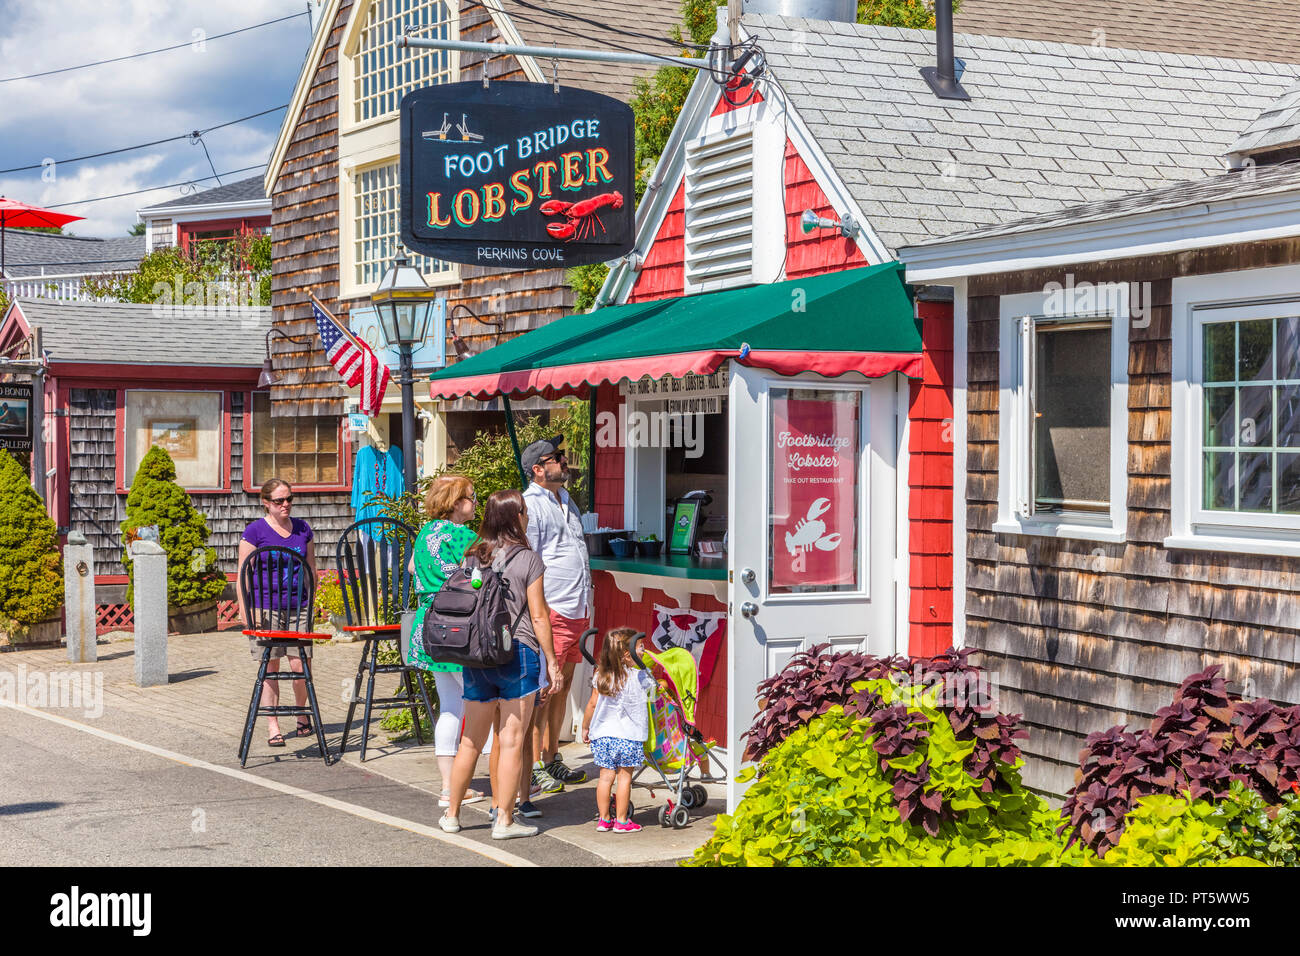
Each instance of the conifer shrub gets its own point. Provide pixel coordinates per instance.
(156, 499)
(31, 576)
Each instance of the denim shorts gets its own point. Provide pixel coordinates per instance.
(519, 678)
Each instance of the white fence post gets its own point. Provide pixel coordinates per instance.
(149, 573)
(79, 598)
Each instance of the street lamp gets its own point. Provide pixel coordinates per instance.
(404, 303)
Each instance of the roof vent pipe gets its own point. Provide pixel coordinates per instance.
(943, 78)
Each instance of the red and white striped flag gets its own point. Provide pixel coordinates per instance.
(353, 359)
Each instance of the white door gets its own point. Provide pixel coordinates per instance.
(812, 491)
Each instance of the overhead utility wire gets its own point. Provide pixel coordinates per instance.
(136, 192)
(165, 49)
(596, 23)
(157, 142)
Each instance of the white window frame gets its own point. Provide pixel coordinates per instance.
(1014, 472)
(1198, 301)
(349, 288)
(348, 101)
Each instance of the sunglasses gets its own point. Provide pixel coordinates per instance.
(556, 457)
(286, 500)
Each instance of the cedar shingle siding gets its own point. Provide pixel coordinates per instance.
(305, 241)
(1084, 635)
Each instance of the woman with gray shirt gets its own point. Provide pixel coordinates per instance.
(504, 694)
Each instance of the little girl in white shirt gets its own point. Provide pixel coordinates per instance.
(616, 724)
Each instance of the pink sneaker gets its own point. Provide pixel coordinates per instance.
(603, 825)
(631, 826)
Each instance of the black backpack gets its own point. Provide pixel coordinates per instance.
(472, 626)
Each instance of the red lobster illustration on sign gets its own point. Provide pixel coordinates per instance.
(580, 217)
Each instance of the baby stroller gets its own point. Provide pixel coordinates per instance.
(675, 747)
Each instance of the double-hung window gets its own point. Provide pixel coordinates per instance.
(1236, 412)
(1063, 413)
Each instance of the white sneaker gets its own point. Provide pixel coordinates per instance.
(512, 830)
(449, 824)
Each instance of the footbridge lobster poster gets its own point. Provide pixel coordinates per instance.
(814, 529)
(516, 175)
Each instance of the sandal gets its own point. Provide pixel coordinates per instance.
(471, 796)
(304, 730)
(276, 741)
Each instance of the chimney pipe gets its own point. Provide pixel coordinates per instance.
(943, 77)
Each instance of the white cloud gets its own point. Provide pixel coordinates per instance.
(148, 98)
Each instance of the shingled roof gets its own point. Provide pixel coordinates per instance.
(1255, 30)
(248, 190)
(1235, 184)
(605, 25)
(29, 254)
(120, 333)
(1048, 125)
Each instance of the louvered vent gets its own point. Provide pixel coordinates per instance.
(720, 211)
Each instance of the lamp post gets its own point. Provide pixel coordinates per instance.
(404, 303)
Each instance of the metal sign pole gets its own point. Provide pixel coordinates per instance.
(561, 53)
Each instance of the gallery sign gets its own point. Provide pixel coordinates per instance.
(516, 175)
(16, 416)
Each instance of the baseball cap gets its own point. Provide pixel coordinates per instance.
(539, 450)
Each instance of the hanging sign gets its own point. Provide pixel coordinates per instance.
(16, 416)
(516, 175)
(814, 490)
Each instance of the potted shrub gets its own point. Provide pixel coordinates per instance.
(194, 582)
(31, 578)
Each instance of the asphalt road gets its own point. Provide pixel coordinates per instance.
(76, 793)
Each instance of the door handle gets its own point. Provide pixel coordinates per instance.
(748, 609)
(747, 576)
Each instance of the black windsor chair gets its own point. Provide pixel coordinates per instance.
(374, 557)
(278, 589)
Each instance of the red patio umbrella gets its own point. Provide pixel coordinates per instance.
(19, 214)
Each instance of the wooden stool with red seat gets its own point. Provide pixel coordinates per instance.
(277, 590)
(374, 565)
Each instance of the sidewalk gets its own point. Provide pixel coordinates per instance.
(211, 684)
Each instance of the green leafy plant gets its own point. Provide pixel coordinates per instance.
(329, 596)
(155, 499)
(31, 578)
(1164, 830)
(1252, 828)
(195, 278)
(827, 798)
(489, 462)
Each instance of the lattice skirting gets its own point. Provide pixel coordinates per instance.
(118, 617)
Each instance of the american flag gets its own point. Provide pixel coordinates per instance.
(353, 360)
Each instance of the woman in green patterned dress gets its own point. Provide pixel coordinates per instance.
(439, 550)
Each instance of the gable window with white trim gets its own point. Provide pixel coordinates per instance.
(1236, 412)
(381, 73)
(1063, 412)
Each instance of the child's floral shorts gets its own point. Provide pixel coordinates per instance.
(614, 752)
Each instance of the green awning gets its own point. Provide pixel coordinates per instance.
(857, 320)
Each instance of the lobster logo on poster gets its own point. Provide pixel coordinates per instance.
(814, 521)
(516, 174)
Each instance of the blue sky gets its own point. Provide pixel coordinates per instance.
(148, 98)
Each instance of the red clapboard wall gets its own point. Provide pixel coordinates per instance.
(929, 485)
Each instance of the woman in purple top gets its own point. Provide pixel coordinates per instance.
(279, 529)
